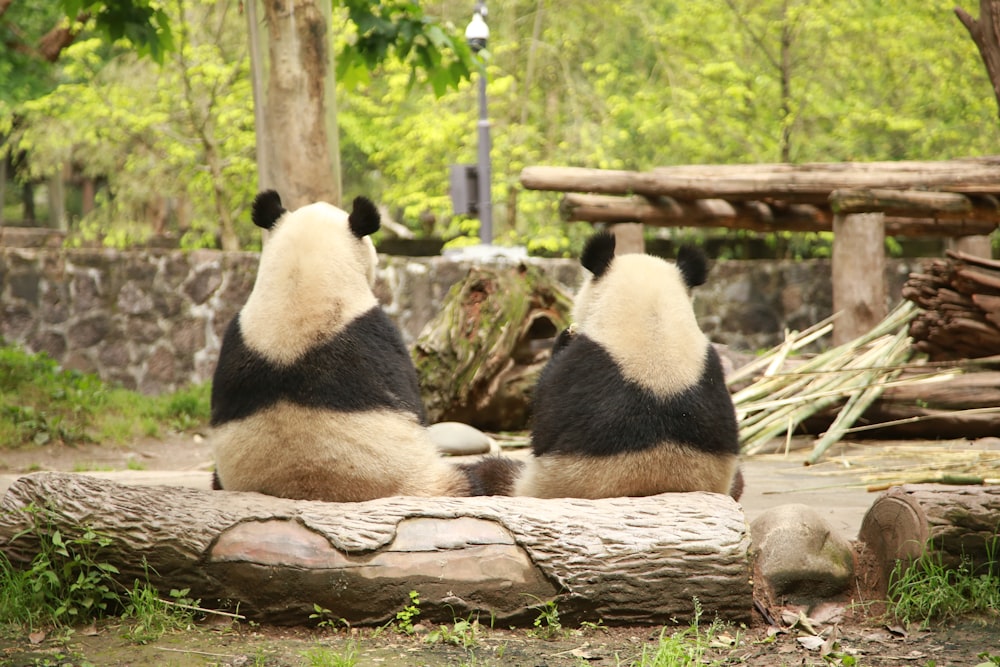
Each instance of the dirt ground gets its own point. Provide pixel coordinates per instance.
(851, 630)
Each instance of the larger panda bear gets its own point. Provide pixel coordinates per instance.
(315, 395)
(633, 401)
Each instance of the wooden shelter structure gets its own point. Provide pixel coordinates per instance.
(860, 202)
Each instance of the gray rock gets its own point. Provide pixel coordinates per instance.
(801, 556)
(457, 439)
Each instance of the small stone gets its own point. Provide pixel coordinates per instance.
(458, 439)
(801, 557)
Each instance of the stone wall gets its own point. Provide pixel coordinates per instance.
(153, 319)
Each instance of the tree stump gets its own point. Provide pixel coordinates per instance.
(958, 523)
(480, 357)
(621, 560)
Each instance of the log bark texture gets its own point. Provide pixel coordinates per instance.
(809, 183)
(960, 296)
(623, 560)
(957, 523)
(479, 358)
(756, 216)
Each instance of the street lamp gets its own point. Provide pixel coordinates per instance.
(476, 34)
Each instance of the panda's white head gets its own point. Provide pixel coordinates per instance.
(638, 308)
(315, 275)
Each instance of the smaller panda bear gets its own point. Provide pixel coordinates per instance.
(633, 401)
(315, 395)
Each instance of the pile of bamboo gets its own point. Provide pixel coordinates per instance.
(853, 374)
(960, 296)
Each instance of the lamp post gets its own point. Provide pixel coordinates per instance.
(476, 34)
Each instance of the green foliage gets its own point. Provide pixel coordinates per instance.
(792, 80)
(325, 619)
(684, 648)
(462, 633)
(547, 624)
(42, 404)
(66, 583)
(320, 656)
(142, 22)
(401, 27)
(148, 617)
(926, 590)
(406, 615)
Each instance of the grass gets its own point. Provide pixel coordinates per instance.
(42, 404)
(688, 647)
(67, 584)
(926, 590)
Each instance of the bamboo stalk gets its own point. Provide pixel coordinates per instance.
(874, 383)
(856, 372)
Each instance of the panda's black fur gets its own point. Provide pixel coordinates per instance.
(633, 401)
(315, 395)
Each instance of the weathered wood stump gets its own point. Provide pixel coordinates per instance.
(623, 560)
(480, 357)
(959, 523)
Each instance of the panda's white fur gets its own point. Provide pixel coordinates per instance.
(315, 395)
(310, 283)
(633, 401)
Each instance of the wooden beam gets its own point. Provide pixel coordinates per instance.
(752, 215)
(806, 183)
(915, 203)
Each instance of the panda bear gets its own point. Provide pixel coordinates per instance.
(314, 394)
(633, 401)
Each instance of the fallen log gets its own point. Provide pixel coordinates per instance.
(621, 560)
(958, 524)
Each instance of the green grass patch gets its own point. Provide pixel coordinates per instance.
(42, 404)
(691, 646)
(68, 584)
(926, 590)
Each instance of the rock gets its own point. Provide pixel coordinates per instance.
(458, 439)
(800, 555)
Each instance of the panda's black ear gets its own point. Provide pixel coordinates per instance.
(598, 253)
(267, 209)
(693, 264)
(364, 218)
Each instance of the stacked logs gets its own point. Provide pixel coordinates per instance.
(960, 296)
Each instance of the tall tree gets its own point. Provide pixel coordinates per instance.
(985, 33)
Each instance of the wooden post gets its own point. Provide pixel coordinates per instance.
(628, 238)
(859, 291)
(979, 245)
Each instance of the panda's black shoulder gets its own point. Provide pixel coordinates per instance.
(583, 404)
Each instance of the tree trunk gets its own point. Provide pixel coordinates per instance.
(479, 358)
(621, 560)
(986, 34)
(956, 523)
(297, 105)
